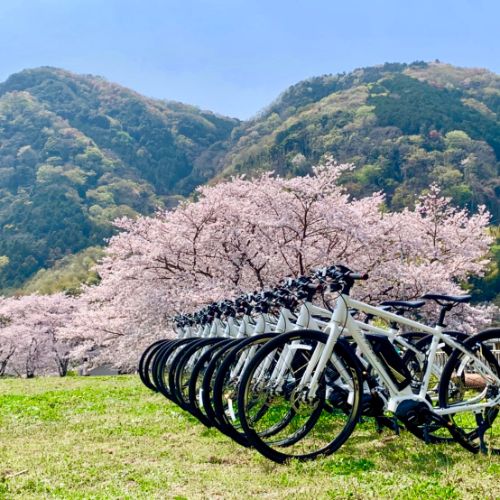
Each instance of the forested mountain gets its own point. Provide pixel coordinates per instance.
(403, 126)
(77, 151)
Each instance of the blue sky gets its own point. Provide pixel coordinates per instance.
(232, 56)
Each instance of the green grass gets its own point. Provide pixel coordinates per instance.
(109, 437)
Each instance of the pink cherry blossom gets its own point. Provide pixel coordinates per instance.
(238, 236)
(242, 235)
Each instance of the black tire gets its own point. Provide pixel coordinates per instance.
(146, 362)
(179, 376)
(175, 359)
(463, 381)
(196, 382)
(208, 382)
(163, 363)
(225, 386)
(319, 426)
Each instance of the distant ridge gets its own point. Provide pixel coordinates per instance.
(77, 151)
(403, 125)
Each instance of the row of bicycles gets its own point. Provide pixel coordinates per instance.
(275, 371)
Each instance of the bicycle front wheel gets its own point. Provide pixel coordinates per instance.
(146, 361)
(282, 414)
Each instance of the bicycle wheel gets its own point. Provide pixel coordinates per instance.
(195, 389)
(226, 383)
(272, 389)
(207, 384)
(163, 364)
(146, 361)
(176, 361)
(470, 384)
(180, 375)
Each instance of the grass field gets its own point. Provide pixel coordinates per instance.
(109, 437)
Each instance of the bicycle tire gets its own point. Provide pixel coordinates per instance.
(162, 364)
(195, 385)
(225, 391)
(464, 380)
(179, 376)
(145, 363)
(338, 413)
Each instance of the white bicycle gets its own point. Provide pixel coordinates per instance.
(322, 379)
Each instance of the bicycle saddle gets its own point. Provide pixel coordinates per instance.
(410, 304)
(457, 299)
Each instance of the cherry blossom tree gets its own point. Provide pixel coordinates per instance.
(240, 235)
(7, 346)
(29, 333)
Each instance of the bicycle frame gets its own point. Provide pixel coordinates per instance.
(342, 321)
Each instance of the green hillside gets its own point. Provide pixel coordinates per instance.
(76, 152)
(403, 126)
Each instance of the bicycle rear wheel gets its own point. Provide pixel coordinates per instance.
(472, 380)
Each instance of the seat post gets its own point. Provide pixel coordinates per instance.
(444, 309)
